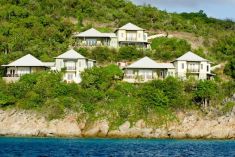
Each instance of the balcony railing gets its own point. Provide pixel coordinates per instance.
(139, 77)
(70, 68)
(131, 39)
(12, 75)
(193, 70)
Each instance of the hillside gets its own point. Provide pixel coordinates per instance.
(44, 28)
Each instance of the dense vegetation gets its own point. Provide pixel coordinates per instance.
(44, 29)
(169, 48)
(102, 95)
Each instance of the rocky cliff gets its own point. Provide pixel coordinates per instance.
(25, 123)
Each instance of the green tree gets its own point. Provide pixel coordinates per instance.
(101, 77)
(230, 68)
(169, 48)
(205, 91)
(153, 98)
(129, 53)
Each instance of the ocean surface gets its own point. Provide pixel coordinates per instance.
(59, 147)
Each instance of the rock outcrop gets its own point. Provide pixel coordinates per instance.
(26, 123)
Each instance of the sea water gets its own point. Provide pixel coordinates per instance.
(59, 147)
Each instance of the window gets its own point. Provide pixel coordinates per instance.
(129, 72)
(70, 65)
(201, 66)
(79, 63)
(145, 37)
(161, 73)
(182, 65)
(207, 68)
(131, 36)
(91, 42)
(70, 76)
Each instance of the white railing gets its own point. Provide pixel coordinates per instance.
(193, 70)
(70, 68)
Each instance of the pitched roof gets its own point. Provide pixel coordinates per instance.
(26, 61)
(95, 33)
(190, 56)
(130, 26)
(148, 63)
(71, 54)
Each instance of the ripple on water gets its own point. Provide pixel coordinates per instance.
(57, 147)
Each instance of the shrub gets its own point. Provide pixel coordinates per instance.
(101, 77)
(129, 53)
(205, 91)
(230, 68)
(153, 98)
(169, 48)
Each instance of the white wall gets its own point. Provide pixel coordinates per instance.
(179, 70)
(81, 65)
(114, 42)
(202, 66)
(121, 34)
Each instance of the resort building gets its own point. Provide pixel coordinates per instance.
(131, 34)
(93, 37)
(128, 34)
(25, 65)
(192, 65)
(147, 69)
(188, 65)
(72, 63)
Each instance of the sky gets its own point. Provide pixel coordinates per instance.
(222, 9)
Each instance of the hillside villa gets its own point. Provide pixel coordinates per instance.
(93, 37)
(128, 34)
(71, 62)
(192, 65)
(25, 65)
(147, 69)
(188, 65)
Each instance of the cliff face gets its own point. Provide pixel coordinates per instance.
(24, 123)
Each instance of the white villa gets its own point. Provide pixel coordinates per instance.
(147, 69)
(93, 37)
(128, 34)
(73, 64)
(25, 65)
(188, 65)
(131, 34)
(192, 65)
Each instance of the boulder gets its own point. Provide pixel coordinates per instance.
(125, 126)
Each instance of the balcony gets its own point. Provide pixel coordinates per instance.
(12, 75)
(70, 68)
(193, 70)
(131, 39)
(139, 77)
(11, 78)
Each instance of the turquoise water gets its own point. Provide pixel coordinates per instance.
(57, 147)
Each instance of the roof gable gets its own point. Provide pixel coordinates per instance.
(90, 32)
(190, 56)
(148, 63)
(95, 33)
(131, 26)
(71, 54)
(26, 61)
